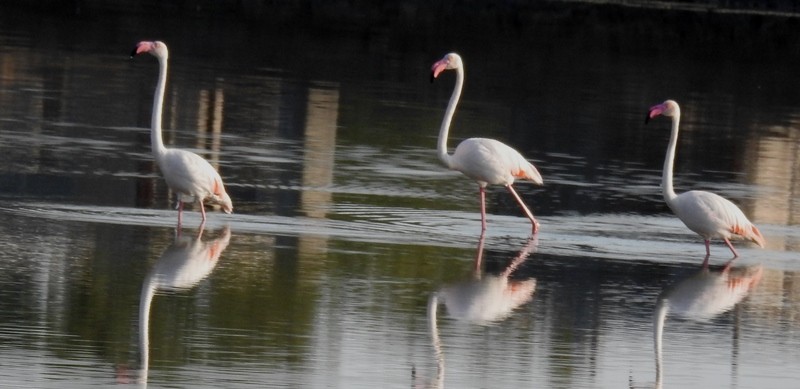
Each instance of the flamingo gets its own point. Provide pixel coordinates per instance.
(487, 161)
(188, 174)
(707, 214)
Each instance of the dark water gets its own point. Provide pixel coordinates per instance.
(350, 260)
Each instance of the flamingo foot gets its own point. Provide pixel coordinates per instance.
(535, 227)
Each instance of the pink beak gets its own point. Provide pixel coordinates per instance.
(654, 111)
(142, 47)
(438, 67)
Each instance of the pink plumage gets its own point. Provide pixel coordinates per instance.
(190, 176)
(487, 161)
(707, 214)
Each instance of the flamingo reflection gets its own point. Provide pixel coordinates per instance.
(483, 299)
(701, 297)
(182, 265)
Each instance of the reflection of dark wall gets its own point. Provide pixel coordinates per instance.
(292, 118)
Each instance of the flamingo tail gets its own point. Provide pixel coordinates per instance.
(749, 232)
(528, 172)
(755, 235)
(221, 196)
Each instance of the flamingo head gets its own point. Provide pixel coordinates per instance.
(157, 49)
(668, 108)
(450, 61)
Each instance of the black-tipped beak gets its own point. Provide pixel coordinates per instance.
(133, 52)
(432, 77)
(647, 118)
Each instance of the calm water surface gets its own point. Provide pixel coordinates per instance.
(353, 258)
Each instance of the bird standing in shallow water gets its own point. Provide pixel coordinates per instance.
(487, 161)
(186, 173)
(707, 214)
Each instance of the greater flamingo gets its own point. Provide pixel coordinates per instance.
(487, 161)
(190, 176)
(707, 214)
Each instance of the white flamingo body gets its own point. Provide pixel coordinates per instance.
(190, 176)
(487, 161)
(491, 162)
(707, 214)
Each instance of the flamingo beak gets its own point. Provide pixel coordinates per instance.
(438, 67)
(654, 111)
(141, 47)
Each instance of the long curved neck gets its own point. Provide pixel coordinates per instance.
(158, 104)
(448, 117)
(669, 160)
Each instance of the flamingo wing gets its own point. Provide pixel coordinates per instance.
(492, 162)
(711, 215)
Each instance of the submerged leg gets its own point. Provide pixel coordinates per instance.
(479, 255)
(534, 223)
(180, 211)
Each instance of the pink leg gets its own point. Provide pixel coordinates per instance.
(180, 211)
(203, 212)
(708, 248)
(705, 262)
(483, 208)
(534, 223)
(730, 246)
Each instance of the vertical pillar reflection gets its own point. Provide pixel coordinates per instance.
(319, 151)
(209, 120)
(775, 168)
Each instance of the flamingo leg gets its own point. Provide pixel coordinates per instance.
(180, 211)
(705, 262)
(708, 247)
(479, 255)
(730, 246)
(482, 191)
(202, 212)
(534, 223)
